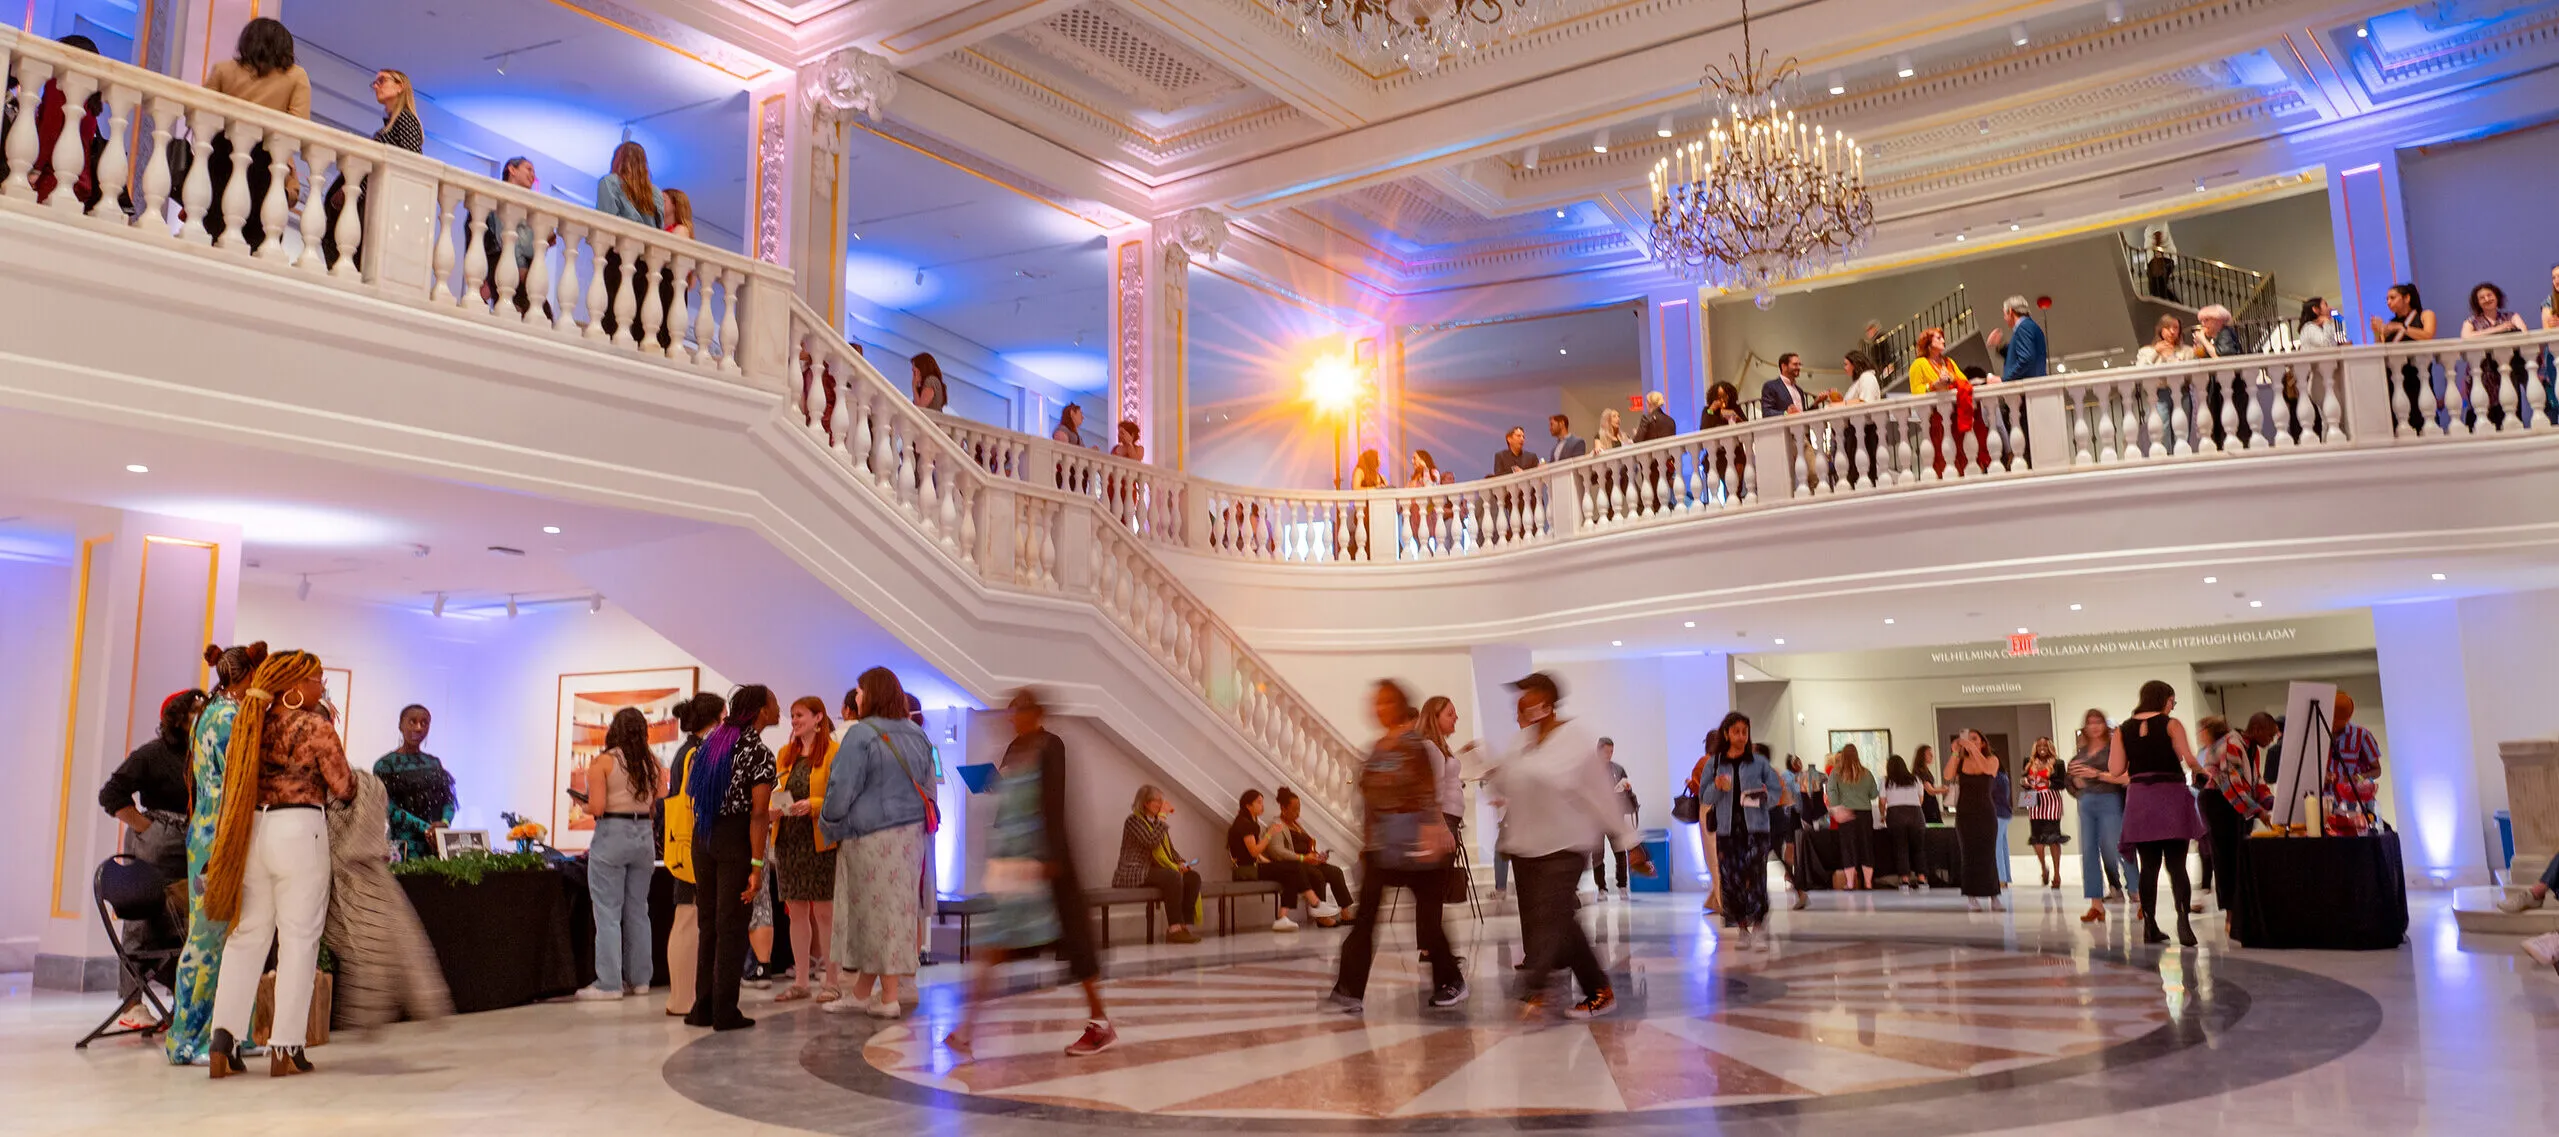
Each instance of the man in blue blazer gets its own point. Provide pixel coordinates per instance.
(1784, 395)
(2025, 345)
(1567, 444)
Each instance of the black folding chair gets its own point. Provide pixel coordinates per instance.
(129, 888)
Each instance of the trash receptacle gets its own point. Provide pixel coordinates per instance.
(1657, 846)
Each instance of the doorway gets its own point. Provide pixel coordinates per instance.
(2011, 730)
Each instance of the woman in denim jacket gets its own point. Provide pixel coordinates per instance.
(874, 806)
(1735, 789)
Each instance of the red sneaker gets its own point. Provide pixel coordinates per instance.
(1098, 1037)
(1600, 1003)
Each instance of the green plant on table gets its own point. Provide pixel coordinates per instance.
(470, 866)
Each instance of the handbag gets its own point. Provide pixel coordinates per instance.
(1413, 842)
(1683, 809)
(932, 809)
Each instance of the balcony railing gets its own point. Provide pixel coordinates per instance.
(2206, 410)
(295, 197)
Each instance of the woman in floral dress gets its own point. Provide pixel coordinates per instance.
(191, 1010)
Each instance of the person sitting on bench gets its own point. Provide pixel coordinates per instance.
(1250, 848)
(1288, 841)
(1148, 860)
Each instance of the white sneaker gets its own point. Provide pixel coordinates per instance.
(845, 1005)
(2543, 948)
(1741, 939)
(1762, 942)
(640, 991)
(887, 1009)
(1283, 924)
(1325, 911)
(598, 995)
(2517, 900)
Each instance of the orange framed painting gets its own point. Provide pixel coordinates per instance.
(588, 701)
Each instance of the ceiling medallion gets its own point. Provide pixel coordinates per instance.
(1419, 34)
(1763, 198)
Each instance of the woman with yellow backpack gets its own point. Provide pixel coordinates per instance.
(695, 716)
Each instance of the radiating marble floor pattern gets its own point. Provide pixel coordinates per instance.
(1891, 1014)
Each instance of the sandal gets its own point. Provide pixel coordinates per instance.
(792, 995)
(828, 994)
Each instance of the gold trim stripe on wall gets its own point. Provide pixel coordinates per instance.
(71, 719)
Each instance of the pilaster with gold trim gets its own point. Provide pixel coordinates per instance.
(1150, 327)
(801, 129)
(149, 593)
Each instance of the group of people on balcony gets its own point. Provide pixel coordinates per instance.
(262, 71)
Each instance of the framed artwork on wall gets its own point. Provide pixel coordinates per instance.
(588, 701)
(1873, 746)
(340, 684)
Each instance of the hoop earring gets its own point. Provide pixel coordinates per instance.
(290, 705)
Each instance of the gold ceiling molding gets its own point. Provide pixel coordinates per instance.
(1108, 45)
(983, 63)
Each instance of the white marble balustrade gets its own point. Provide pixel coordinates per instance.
(177, 165)
(2454, 388)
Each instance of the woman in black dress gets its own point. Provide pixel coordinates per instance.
(1971, 764)
(1923, 766)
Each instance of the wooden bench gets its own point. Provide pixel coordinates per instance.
(1109, 898)
(1224, 892)
(966, 908)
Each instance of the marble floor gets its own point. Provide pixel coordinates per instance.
(1882, 1013)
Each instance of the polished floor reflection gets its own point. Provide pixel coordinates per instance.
(1898, 1015)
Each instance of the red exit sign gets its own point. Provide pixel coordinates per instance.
(2023, 643)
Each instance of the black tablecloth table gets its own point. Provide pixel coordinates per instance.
(2337, 893)
(503, 942)
(1820, 855)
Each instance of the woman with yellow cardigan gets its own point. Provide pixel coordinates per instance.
(803, 857)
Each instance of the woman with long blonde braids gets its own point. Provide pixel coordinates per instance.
(269, 876)
(191, 997)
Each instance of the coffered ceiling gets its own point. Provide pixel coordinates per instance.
(1490, 166)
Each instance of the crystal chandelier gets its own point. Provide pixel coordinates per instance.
(1761, 199)
(1415, 33)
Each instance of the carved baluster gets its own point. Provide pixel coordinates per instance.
(270, 210)
(686, 320)
(2427, 406)
(348, 229)
(625, 301)
(23, 144)
(195, 198)
(652, 319)
(235, 207)
(2536, 399)
(508, 273)
(447, 258)
(539, 308)
(2179, 422)
(2481, 422)
(475, 259)
(67, 154)
(318, 156)
(732, 284)
(155, 169)
(122, 105)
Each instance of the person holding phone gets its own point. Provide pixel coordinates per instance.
(1149, 860)
(1735, 789)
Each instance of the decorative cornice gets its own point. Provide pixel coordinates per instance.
(2095, 144)
(1066, 37)
(986, 64)
(1587, 18)
(2460, 53)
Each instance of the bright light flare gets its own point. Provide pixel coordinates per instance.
(1332, 384)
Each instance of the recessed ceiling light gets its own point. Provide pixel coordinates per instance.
(1561, 351)
(2021, 631)
(2212, 580)
(1616, 643)
(1693, 623)
(551, 529)
(2012, 226)
(2256, 603)
(1559, 213)
(1781, 641)
(137, 468)
(1906, 69)
(2017, 35)
(1959, 236)
(2363, 33)
(1839, 90)
(2438, 576)
(1662, 128)
(2074, 607)
(1599, 143)
(1888, 619)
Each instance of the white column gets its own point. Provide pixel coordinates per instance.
(2369, 226)
(816, 224)
(148, 593)
(1150, 328)
(1675, 352)
(1698, 692)
(2429, 770)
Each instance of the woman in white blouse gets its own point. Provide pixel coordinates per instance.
(1863, 387)
(1611, 435)
(2166, 347)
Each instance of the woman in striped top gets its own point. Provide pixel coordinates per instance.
(1148, 860)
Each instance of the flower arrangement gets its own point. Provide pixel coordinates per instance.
(524, 832)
